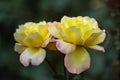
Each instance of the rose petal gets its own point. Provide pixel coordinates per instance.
(19, 36)
(65, 47)
(46, 42)
(97, 47)
(52, 29)
(90, 32)
(91, 21)
(78, 61)
(64, 19)
(33, 40)
(19, 48)
(68, 22)
(38, 57)
(75, 35)
(43, 30)
(33, 55)
(95, 38)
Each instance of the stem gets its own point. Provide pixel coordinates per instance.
(65, 74)
(53, 69)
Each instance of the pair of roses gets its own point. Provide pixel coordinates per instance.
(70, 36)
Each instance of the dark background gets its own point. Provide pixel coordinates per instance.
(16, 12)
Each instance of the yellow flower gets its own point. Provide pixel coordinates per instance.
(31, 39)
(73, 36)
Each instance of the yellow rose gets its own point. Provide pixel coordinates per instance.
(73, 36)
(31, 39)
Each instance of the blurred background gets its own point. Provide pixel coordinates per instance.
(104, 66)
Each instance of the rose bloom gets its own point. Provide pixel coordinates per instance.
(73, 35)
(31, 39)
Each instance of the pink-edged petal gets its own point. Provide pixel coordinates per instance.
(65, 47)
(19, 48)
(38, 57)
(33, 55)
(46, 42)
(25, 57)
(97, 47)
(78, 61)
(52, 29)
